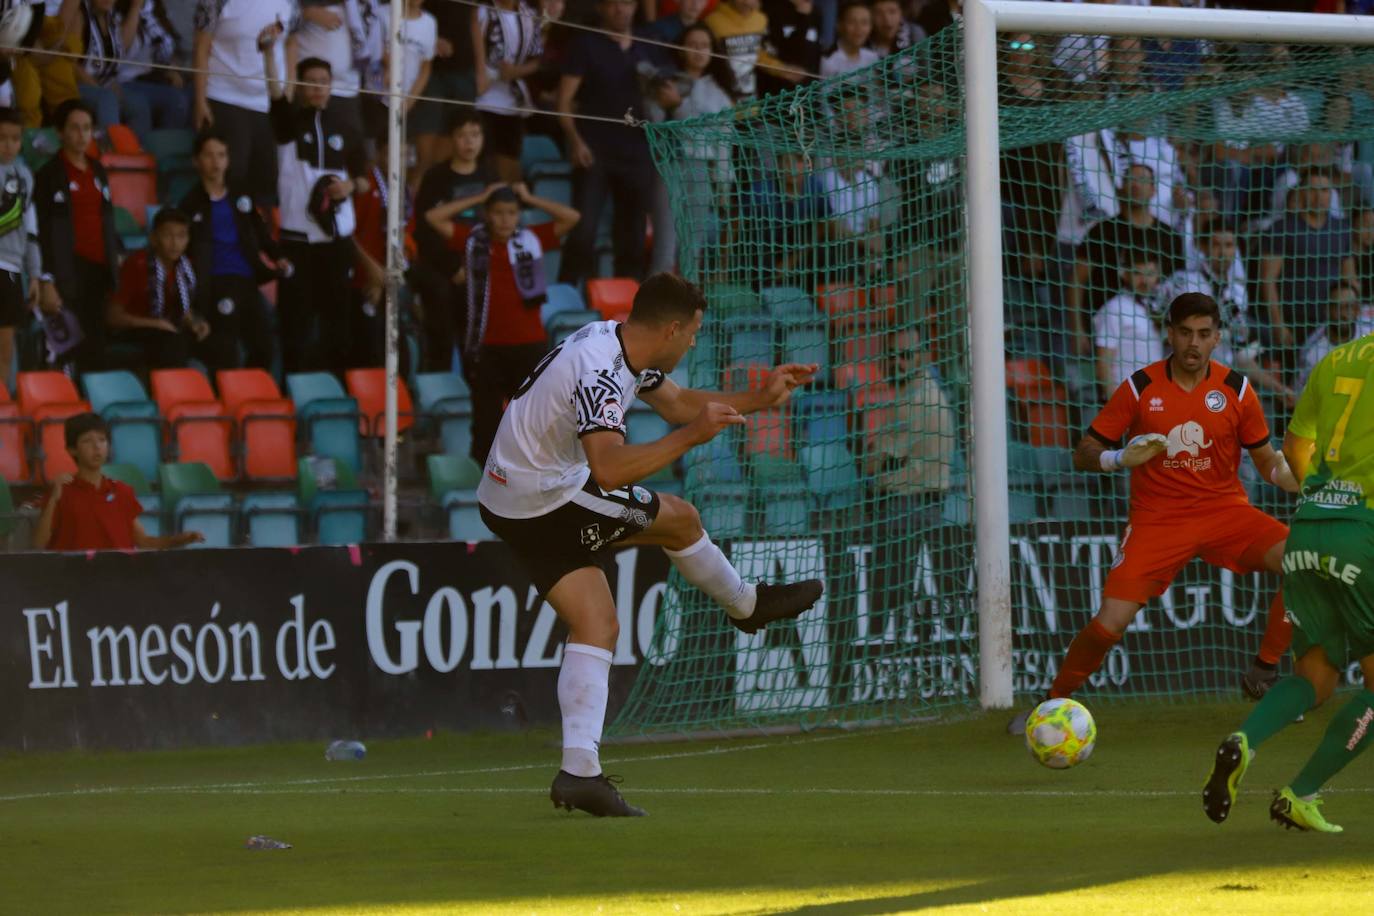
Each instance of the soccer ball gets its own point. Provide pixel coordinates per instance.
(1061, 733)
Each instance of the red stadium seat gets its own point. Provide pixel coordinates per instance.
(840, 301)
(266, 423)
(4, 393)
(15, 434)
(613, 297)
(368, 388)
(1040, 402)
(769, 432)
(863, 352)
(198, 422)
(876, 405)
(37, 389)
(48, 399)
(135, 191)
(122, 140)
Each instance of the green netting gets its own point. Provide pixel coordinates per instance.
(826, 225)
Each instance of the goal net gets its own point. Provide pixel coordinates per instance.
(827, 226)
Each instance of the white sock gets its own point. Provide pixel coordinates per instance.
(583, 684)
(706, 567)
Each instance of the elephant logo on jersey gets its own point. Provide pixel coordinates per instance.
(1191, 438)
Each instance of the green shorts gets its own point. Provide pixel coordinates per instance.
(1328, 587)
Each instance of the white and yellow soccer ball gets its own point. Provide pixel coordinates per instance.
(1061, 733)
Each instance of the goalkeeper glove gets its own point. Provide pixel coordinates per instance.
(1138, 451)
(1281, 475)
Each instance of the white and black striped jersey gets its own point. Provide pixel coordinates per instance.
(584, 385)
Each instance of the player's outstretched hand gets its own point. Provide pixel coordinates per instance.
(784, 379)
(1142, 448)
(1281, 475)
(712, 419)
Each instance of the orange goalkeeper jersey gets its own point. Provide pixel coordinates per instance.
(1206, 429)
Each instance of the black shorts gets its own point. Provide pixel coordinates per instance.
(578, 533)
(503, 135)
(12, 305)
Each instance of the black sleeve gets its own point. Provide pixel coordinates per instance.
(42, 201)
(282, 117)
(1110, 443)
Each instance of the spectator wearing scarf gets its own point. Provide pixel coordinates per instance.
(506, 287)
(154, 308)
(509, 47)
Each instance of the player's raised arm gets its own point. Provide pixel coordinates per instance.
(614, 463)
(680, 405)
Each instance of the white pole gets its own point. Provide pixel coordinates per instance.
(992, 523)
(1176, 22)
(395, 258)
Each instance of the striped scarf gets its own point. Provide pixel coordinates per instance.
(157, 287)
(513, 36)
(104, 49)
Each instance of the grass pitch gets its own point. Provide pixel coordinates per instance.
(952, 815)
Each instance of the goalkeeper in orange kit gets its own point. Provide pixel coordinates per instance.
(1187, 420)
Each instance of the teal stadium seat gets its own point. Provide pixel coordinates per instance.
(446, 404)
(135, 423)
(750, 339)
(194, 501)
(563, 325)
(724, 510)
(328, 491)
(788, 302)
(821, 416)
(330, 417)
(271, 519)
(830, 476)
(562, 297)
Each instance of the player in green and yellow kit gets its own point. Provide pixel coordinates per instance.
(1328, 589)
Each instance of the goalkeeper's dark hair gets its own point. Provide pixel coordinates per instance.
(664, 298)
(11, 116)
(1191, 305)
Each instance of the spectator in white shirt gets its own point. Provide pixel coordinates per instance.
(1125, 330)
(231, 84)
(323, 33)
(1346, 319)
(419, 39)
(850, 54)
(508, 48)
(851, 190)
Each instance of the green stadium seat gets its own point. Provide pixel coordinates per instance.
(135, 424)
(330, 418)
(338, 508)
(271, 519)
(704, 362)
(150, 501)
(8, 517)
(129, 231)
(957, 509)
(786, 510)
(1021, 506)
(1071, 505)
(170, 148)
(1023, 467)
(40, 144)
(193, 500)
(448, 473)
(767, 469)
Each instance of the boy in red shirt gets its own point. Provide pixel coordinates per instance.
(89, 511)
(154, 307)
(506, 284)
(1187, 420)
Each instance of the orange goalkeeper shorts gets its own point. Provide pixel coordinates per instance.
(1153, 550)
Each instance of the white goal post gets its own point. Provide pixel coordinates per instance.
(983, 20)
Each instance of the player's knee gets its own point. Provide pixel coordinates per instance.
(685, 526)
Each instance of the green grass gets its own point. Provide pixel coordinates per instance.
(951, 815)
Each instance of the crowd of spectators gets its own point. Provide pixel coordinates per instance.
(289, 150)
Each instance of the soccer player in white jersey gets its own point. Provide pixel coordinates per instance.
(559, 488)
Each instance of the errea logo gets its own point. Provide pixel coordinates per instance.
(1156, 405)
